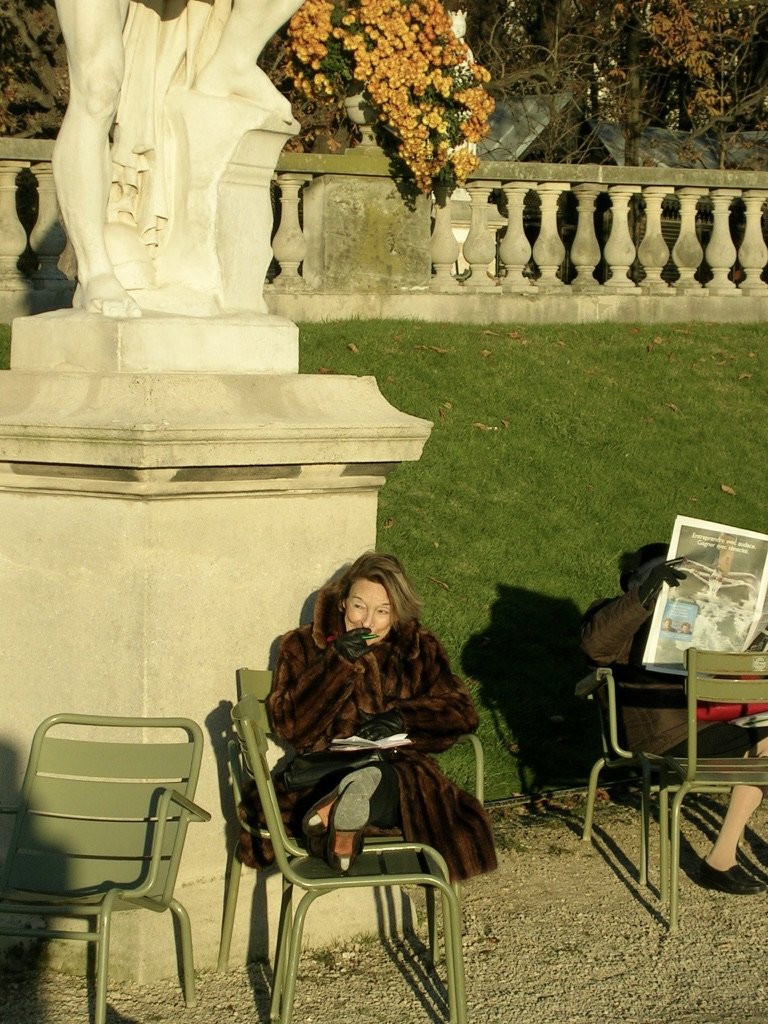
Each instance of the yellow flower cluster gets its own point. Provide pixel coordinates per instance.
(430, 98)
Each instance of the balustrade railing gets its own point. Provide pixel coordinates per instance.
(532, 230)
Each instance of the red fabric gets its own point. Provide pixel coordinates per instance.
(711, 711)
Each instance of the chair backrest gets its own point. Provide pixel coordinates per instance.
(93, 803)
(723, 677)
(251, 724)
(257, 681)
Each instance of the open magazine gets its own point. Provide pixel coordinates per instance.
(399, 739)
(720, 605)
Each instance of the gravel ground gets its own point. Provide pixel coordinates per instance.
(560, 933)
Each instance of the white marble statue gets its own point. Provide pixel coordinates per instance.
(459, 26)
(119, 168)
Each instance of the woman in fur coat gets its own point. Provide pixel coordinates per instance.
(366, 667)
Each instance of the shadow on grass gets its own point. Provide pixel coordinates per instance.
(526, 663)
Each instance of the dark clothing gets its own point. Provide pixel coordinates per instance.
(317, 695)
(652, 705)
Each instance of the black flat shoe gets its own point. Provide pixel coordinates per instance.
(735, 881)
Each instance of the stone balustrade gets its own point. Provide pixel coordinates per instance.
(535, 242)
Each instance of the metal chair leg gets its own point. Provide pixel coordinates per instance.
(230, 906)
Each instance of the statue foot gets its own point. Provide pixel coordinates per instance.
(104, 294)
(247, 83)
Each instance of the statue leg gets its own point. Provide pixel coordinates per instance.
(82, 166)
(232, 71)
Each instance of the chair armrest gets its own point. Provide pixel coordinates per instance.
(189, 805)
(477, 748)
(591, 683)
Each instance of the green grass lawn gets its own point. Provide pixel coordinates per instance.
(554, 450)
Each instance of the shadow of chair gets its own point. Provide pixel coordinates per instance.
(381, 864)
(100, 828)
(600, 687)
(731, 678)
(258, 682)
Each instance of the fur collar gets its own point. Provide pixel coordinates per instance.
(328, 621)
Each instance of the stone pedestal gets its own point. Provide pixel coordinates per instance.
(160, 530)
(70, 339)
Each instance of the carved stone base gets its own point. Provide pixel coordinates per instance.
(70, 339)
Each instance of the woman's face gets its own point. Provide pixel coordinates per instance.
(367, 605)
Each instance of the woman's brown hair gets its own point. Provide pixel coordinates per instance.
(387, 571)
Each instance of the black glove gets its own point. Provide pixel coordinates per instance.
(351, 645)
(381, 725)
(649, 589)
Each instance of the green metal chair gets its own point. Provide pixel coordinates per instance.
(100, 828)
(258, 682)
(740, 678)
(381, 864)
(615, 756)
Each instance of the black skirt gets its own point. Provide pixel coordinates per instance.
(723, 739)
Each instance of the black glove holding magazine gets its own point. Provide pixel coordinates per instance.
(381, 725)
(650, 588)
(352, 644)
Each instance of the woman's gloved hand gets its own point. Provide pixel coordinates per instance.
(381, 725)
(650, 588)
(351, 644)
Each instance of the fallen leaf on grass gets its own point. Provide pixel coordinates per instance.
(486, 353)
(482, 426)
(505, 423)
(388, 524)
(353, 347)
(745, 376)
(325, 369)
(431, 348)
(656, 341)
(726, 489)
(439, 582)
(495, 334)
(672, 406)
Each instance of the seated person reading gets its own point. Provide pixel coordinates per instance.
(652, 705)
(366, 667)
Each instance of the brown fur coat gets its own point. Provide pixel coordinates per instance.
(317, 695)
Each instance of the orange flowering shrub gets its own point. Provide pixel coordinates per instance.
(429, 96)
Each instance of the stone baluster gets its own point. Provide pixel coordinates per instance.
(687, 252)
(444, 248)
(548, 249)
(620, 249)
(720, 253)
(480, 243)
(515, 249)
(653, 251)
(289, 245)
(48, 237)
(13, 237)
(753, 253)
(585, 250)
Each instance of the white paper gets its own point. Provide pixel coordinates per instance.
(399, 739)
(720, 604)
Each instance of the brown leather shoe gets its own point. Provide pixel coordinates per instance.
(735, 881)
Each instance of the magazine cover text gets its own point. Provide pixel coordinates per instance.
(719, 605)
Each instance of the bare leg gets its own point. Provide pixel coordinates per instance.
(232, 71)
(82, 166)
(743, 803)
